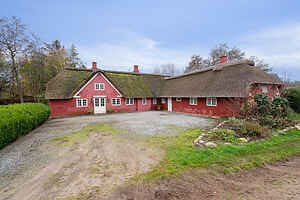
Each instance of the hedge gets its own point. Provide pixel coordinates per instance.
(293, 96)
(19, 119)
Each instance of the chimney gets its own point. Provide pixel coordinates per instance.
(136, 69)
(94, 66)
(223, 59)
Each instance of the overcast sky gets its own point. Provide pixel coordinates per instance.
(120, 33)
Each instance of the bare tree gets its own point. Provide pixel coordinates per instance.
(13, 42)
(260, 63)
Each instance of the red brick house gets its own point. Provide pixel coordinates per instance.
(215, 91)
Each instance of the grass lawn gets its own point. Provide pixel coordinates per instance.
(294, 116)
(181, 154)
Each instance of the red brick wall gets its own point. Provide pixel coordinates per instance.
(225, 107)
(272, 90)
(68, 107)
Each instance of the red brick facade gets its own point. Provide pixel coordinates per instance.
(67, 107)
(224, 107)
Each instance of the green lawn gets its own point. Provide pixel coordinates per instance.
(181, 154)
(294, 116)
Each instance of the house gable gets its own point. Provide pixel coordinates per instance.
(88, 90)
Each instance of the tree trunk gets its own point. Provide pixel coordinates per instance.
(19, 86)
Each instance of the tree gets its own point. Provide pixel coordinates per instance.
(13, 42)
(166, 69)
(233, 54)
(74, 60)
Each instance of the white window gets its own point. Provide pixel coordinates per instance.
(81, 103)
(99, 86)
(193, 101)
(163, 100)
(129, 101)
(264, 89)
(144, 101)
(211, 101)
(178, 99)
(154, 101)
(115, 101)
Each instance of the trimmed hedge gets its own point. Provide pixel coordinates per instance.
(19, 119)
(293, 96)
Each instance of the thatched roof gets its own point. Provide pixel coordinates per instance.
(223, 80)
(129, 84)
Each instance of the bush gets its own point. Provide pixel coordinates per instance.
(279, 107)
(254, 129)
(263, 104)
(293, 96)
(226, 135)
(19, 119)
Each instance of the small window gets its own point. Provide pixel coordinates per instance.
(178, 99)
(163, 100)
(129, 101)
(81, 103)
(99, 86)
(154, 100)
(115, 101)
(144, 101)
(193, 101)
(264, 89)
(211, 101)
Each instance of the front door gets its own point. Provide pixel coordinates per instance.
(170, 104)
(99, 105)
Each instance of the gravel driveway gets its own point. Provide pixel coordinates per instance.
(23, 158)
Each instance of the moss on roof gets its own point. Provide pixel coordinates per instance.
(65, 84)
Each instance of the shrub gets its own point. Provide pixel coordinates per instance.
(19, 119)
(226, 135)
(263, 104)
(254, 129)
(109, 110)
(293, 96)
(279, 107)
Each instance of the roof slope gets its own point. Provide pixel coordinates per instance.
(65, 84)
(226, 80)
(68, 82)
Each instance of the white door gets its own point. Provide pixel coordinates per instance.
(170, 104)
(99, 105)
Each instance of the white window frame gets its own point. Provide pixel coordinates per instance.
(116, 101)
(130, 101)
(264, 89)
(80, 105)
(144, 101)
(163, 100)
(154, 100)
(98, 86)
(193, 101)
(178, 99)
(209, 101)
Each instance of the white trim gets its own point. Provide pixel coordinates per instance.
(210, 104)
(193, 103)
(154, 102)
(116, 101)
(129, 101)
(143, 101)
(99, 85)
(82, 106)
(75, 96)
(178, 99)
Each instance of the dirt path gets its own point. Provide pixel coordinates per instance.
(38, 166)
(279, 181)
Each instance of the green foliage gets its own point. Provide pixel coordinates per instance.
(19, 119)
(254, 129)
(279, 107)
(293, 96)
(226, 135)
(181, 154)
(294, 116)
(109, 110)
(263, 104)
